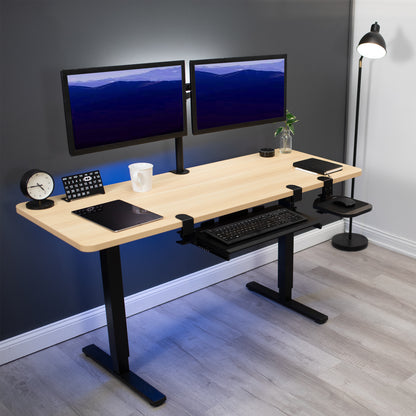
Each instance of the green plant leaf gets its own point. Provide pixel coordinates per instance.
(290, 120)
(278, 130)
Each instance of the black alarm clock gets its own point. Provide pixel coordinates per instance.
(37, 185)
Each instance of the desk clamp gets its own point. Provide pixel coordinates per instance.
(188, 231)
(326, 194)
(326, 189)
(289, 202)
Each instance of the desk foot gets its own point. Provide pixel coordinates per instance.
(141, 387)
(313, 314)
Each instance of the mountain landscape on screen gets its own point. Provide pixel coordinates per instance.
(241, 96)
(122, 110)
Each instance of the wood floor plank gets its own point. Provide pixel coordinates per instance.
(372, 393)
(409, 386)
(4, 411)
(365, 291)
(226, 351)
(24, 394)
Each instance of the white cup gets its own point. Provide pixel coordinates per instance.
(141, 176)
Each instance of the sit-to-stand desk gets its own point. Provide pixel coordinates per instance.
(208, 191)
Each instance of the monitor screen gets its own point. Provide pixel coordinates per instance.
(117, 106)
(237, 92)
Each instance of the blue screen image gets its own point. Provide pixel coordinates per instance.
(233, 93)
(118, 106)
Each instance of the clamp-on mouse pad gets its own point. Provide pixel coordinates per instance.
(117, 215)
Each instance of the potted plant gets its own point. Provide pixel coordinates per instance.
(285, 132)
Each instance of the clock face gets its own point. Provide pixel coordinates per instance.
(40, 185)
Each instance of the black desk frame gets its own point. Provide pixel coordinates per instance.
(285, 283)
(285, 270)
(117, 363)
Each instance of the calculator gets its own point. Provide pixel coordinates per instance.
(81, 185)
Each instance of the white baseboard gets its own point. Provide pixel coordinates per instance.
(381, 238)
(46, 336)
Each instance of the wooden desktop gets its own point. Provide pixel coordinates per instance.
(208, 191)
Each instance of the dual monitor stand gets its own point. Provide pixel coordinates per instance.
(117, 362)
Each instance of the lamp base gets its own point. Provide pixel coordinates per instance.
(349, 242)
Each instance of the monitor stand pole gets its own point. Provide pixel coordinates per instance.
(180, 170)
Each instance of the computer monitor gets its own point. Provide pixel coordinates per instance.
(237, 92)
(116, 106)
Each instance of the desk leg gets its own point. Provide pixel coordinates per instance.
(285, 283)
(117, 363)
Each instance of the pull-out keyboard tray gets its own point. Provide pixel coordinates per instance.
(208, 237)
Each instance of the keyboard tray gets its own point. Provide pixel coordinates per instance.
(227, 252)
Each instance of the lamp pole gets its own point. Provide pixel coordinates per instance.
(357, 115)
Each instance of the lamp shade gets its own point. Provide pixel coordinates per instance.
(372, 44)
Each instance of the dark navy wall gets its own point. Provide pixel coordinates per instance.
(43, 279)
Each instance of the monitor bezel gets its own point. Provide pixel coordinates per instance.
(74, 151)
(194, 63)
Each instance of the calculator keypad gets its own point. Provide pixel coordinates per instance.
(84, 184)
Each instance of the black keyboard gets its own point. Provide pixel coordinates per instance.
(83, 184)
(255, 225)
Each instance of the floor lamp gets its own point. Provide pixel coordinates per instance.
(373, 46)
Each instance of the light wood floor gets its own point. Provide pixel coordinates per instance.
(225, 351)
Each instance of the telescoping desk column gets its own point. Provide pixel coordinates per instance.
(209, 191)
